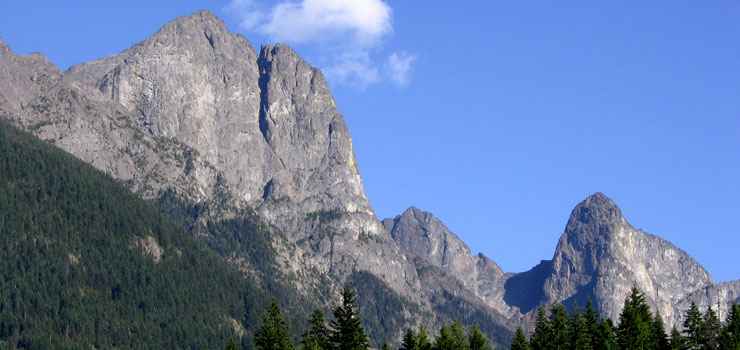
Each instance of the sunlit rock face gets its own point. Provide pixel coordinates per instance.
(600, 256)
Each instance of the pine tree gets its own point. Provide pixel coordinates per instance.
(451, 337)
(520, 341)
(730, 338)
(231, 345)
(606, 337)
(542, 335)
(711, 329)
(422, 339)
(317, 335)
(560, 339)
(410, 341)
(581, 333)
(677, 342)
(273, 334)
(592, 324)
(660, 338)
(477, 340)
(635, 323)
(693, 325)
(346, 328)
(385, 347)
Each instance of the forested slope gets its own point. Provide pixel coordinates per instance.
(86, 263)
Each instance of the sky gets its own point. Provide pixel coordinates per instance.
(496, 116)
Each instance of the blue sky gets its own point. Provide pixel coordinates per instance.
(497, 116)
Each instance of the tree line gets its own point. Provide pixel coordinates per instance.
(638, 329)
(345, 332)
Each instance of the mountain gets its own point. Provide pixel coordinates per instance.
(197, 121)
(227, 140)
(599, 257)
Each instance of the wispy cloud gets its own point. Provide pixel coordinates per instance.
(399, 67)
(348, 34)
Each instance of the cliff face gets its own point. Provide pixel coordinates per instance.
(601, 256)
(421, 235)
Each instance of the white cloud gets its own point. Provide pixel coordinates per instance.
(356, 69)
(349, 34)
(365, 21)
(400, 65)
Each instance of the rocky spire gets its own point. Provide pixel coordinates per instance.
(600, 256)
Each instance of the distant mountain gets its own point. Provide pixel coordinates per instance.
(599, 257)
(219, 135)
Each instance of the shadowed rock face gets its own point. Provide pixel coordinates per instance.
(421, 235)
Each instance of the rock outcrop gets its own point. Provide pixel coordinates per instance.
(601, 256)
(421, 235)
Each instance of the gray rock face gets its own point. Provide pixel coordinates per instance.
(34, 95)
(267, 121)
(601, 256)
(719, 296)
(421, 235)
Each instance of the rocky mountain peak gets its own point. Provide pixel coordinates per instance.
(422, 235)
(600, 256)
(198, 29)
(597, 215)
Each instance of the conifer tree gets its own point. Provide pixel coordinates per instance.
(542, 335)
(231, 345)
(520, 341)
(711, 329)
(385, 347)
(693, 325)
(346, 329)
(451, 337)
(477, 340)
(677, 342)
(273, 333)
(559, 329)
(317, 335)
(581, 333)
(730, 338)
(592, 323)
(410, 340)
(660, 338)
(606, 337)
(635, 323)
(422, 339)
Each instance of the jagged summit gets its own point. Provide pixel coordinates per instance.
(595, 215)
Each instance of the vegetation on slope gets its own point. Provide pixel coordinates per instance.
(74, 273)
